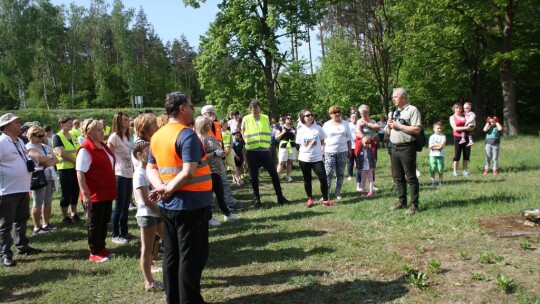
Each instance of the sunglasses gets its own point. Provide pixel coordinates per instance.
(336, 112)
(308, 115)
(288, 118)
(40, 136)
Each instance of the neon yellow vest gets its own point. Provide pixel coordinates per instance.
(69, 148)
(226, 136)
(76, 132)
(257, 136)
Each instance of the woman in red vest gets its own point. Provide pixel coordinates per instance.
(95, 172)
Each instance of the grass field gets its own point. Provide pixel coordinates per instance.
(356, 252)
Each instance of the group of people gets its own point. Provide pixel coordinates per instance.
(172, 164)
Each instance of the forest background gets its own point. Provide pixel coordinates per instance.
(441, 51)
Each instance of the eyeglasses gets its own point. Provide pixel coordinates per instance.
(336, 112)
(308, 115)
(288, 118)
(40, 136)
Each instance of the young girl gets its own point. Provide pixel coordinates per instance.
(470, 121)
(147, 215)
(366, 164)
(238, 149)
(227, 142)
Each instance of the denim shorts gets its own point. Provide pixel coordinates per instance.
(148, 221)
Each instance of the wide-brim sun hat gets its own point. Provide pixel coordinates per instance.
(7, 118)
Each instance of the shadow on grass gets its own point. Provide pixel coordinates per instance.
(11, 284)
(357, 291)
(250, 249)
(520, 168)
(463, 202)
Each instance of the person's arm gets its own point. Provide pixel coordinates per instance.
(499, 126)
(81, 177)
(41, 159)
(412, 130)
(181, 179)
(110, 143)
(280, 133)
(144, 195)
(66, 156)
(374, 126)
(486, 127)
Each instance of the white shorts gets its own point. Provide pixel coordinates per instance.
(284, 155)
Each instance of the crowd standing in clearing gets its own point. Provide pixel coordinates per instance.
(174, 162)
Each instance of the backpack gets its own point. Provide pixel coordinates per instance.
(420, 140)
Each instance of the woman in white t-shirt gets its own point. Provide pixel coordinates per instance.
(311, 138)
(337, 149)
(118, 143)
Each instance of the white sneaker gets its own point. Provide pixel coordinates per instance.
(289, 179)
(465, 173)
(454, 174)
(212, 222)
(359, 189)
(321, 199)
(375, 188)
(338, 197)
(231, 217)
(119, 240)
(418, 173)
(349, 178)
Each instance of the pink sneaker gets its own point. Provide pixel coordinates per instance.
(470, 143)
(309, 202)
(495, 172)
(370, 194)
(328, 203)
(462, 141)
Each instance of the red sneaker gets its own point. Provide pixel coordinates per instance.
(98, 258)
(369, 194)
(106, 253)
(495, 172)
(364, 193)
(486, 172)
(309, 202)
(328, 203)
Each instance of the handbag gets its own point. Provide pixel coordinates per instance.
(38, 180)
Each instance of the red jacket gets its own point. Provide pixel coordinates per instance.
(100, 178)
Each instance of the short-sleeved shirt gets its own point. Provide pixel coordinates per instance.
(122, 152)
(312, 136)
(337, 137)
(436, 139)
(211, 144)
(140, 180)
(411, 115)
(493, 136)
(14, 176)
(84, 160)
(43, 150)
(352, 129)
(190, 149)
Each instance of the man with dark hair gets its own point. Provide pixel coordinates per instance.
(403, 125)
(15, 174)
(180, 175)
(257, 135)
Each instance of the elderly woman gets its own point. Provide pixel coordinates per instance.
(44, 157)
(311, 140)
(65, 146)
(203, 125)
(337, 149)
(457, 121)
(366, 126)
(118, 143)
(95, 173)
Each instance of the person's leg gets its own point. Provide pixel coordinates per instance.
(266, 160)
(432, 168)
(65, 186)
(306, 174)
(489, 156)
(320, 171)
(329, 166)
(495, 157)
(171, 256)
(124, 215)
(38, 198)
(192, 234)
(7, 216)
(409, 167)
(363, 173)
(466, 156)
(47, 202)
(217, 186)
(253, 164)
(282, 159)
(74, 191)
(117, 211)
(399, 174)
(95, 216)
(289, 167)
(227, 193)
(457, 154)
(370, 179)
(148, 234)
(22, 214)
(341, 162)
(350, 164)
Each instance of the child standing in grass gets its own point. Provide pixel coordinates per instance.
(238, 151)
(493, 131)
(366, 164)
(437, 141)
(470, 121)
(147, 215)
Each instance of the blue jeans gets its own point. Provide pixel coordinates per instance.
(124, 188)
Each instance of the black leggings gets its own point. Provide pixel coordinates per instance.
(318, 167)
(459, 148)
(217, 186)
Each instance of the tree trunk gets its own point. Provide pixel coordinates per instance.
(509, 98)
(477, 94)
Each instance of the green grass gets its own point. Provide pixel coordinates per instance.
(356, 252)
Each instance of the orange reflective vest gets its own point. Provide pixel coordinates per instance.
(169, 163)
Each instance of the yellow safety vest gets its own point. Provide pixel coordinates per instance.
(257, 136)
(76, 132)
(226, 139)
(69, 147)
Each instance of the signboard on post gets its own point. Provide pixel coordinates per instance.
(138, 101)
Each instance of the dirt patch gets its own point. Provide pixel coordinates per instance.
(507, 226)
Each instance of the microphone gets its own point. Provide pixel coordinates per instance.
(392, 113)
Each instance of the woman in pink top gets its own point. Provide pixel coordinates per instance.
(457, 121)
